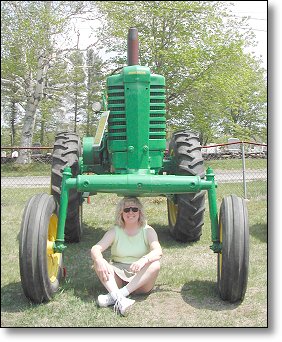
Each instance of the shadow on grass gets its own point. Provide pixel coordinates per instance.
(259, 231)
(80, 277)
(166, 240)
(204, 295)
(13, 298)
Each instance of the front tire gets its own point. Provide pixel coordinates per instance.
(40, 266)
(233, 260)
(186, 211)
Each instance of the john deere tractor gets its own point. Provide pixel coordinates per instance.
(128, 156)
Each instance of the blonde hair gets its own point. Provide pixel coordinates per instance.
(119, 209)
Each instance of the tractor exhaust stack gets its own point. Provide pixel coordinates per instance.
(132, 47)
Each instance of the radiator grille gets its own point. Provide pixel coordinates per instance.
(116, 105)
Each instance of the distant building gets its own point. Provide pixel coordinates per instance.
(15, 154)
(234, 147)
(211, 148)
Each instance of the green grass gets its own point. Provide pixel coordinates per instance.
(185, 294)
(236, 164)
(255, 189)
(32, 169)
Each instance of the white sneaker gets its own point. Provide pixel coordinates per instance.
(123, 305)
(105, 300)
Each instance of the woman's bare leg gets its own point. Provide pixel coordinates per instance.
(119, 281)
(144, 280)
(113, 283)
(115, 295)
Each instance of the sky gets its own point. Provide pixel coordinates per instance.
(257, 11)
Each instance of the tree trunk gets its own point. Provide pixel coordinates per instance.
(42, 130)
(13, 121)
(36, 93)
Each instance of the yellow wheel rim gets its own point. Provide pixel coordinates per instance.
(53, 259)
(172, 212)
(172, 207)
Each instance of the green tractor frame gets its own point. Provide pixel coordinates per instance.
(128, 156)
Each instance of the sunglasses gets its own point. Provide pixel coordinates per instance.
(134, 209)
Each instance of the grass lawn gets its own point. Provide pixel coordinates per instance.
(236, 164)
(185, 294)
(32, 169)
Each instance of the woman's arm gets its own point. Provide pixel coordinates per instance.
(100, 264)
(155, 247)
(102, 245)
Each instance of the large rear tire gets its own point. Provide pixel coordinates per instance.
(67, 150)
(186, 211)
(233, 261)
(40, 266)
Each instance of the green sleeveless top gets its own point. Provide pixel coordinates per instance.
(128, 249)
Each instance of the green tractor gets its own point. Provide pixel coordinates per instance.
(129, 157)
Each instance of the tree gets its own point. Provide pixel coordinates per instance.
(245, 115)
(230, 99)
(197, 46)
(95, 79)
(29, 32)
(12, 112)
(77, 86)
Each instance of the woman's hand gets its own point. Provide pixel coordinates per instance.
(138, 265)
(102, 268)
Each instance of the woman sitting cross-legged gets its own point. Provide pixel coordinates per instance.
(135, 256)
